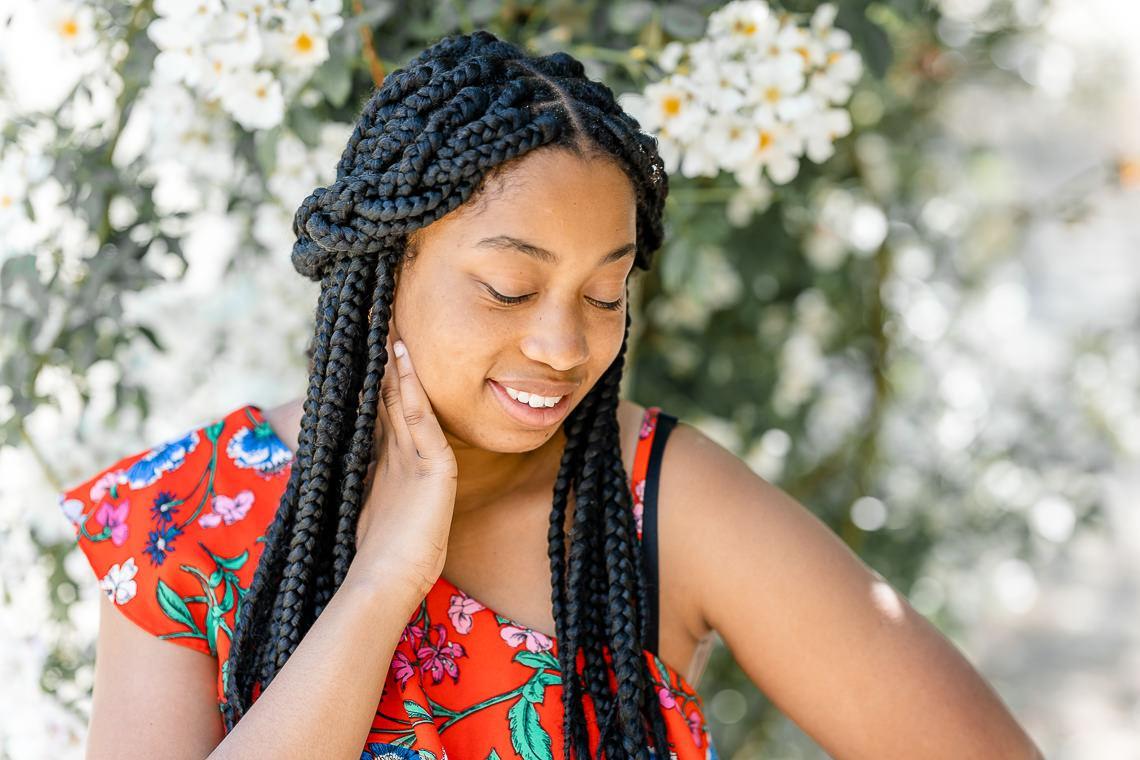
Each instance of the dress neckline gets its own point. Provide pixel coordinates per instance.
(258, 415)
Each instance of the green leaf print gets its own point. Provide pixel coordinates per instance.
(528, 736)
(493, 756)
(230, 563)
(215, 430)
(535, 689)
(416, 710)
(174, 607)
(536, 660)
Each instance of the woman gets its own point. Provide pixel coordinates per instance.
(474, 255)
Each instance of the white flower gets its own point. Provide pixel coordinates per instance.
(180, 43)
(821, 25)
(820, 130)
(673, 106)
(671, 56)
(253, 98)
(72, 509)
(735, 138)
(833, 81)
(747, 23)
(325, 13)
(775, 81)
(299, 43)
(775, 148)
(747, 201)
(119, 582)
(73, 24)
(795, 40)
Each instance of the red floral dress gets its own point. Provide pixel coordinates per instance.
(175, 532)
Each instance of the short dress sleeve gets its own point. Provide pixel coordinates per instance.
(173, 533)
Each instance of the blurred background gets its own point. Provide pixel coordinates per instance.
(901, 281)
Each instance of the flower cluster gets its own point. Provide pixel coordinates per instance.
(248, 55)
(751, 97)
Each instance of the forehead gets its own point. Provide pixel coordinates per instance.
(549, 198)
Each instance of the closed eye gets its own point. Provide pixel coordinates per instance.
(512, 300)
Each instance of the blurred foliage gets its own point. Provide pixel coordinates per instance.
(716, 313)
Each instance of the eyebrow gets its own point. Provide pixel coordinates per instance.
(507, 242)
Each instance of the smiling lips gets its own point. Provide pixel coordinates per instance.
(532, 410)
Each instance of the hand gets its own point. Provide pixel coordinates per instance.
(405, 520)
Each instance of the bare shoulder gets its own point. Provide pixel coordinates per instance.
(811, 624)
(285, 420)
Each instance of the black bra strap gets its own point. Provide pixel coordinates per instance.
(665, 423)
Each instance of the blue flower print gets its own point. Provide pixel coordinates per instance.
(258, 448)
(164, 507)
(384, 751)
(167, 457)
(160, 542)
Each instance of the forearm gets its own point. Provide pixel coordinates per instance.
(322, 702)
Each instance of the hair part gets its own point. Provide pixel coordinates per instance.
(435, 137)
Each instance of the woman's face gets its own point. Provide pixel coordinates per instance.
(463, 341)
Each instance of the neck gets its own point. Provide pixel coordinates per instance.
(486, 476)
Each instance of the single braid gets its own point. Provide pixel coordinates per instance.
(425, 143)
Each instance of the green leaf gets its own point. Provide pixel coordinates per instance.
(173, 606)
(333, 79)
(227, 602)
(628, 17)
(265, 149)
(531, 691)
(212, 630)
(232, 563)
(683, 21)
(528, 737)
(536, 660)
(416, 710)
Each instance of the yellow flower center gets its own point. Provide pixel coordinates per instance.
(303, 43)
(69, 28)
(766, 140)
(671, 105)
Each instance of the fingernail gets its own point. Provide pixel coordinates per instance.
(399, 348)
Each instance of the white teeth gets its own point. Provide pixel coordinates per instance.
(532, 399)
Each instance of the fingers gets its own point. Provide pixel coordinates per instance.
(394, 427)
(426, 433)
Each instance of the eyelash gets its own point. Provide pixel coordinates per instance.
(607, 305)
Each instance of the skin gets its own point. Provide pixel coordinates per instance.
(825, 637)
(460, 336)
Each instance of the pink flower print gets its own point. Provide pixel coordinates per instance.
(639, 491)
(647, 423)
(413, 634)
(227, 510)
(535, 641)
(461, 609)
(104, 484)
(403, 668)
(665, 697)
(694, 720)
(115, 518)
(638, 509)
(440, 658)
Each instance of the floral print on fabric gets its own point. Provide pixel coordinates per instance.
(174, 535)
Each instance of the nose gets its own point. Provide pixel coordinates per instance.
(557, 337)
